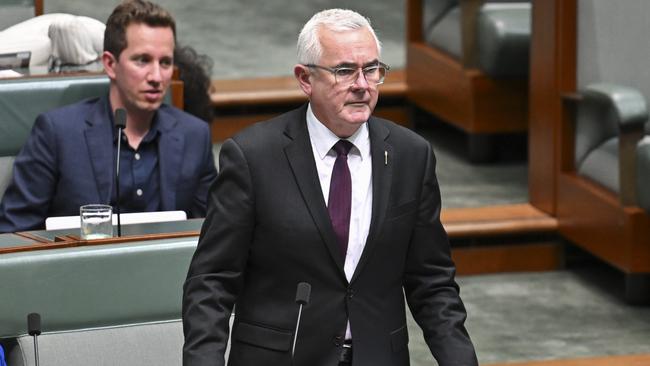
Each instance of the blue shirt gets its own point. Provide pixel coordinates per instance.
(2, 357)
(139, 173)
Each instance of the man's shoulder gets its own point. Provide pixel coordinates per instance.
(397, 133)
(74, 110)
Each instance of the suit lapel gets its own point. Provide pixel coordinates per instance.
(382, 172)
(301, 159)
(99, 141)
(170, 153)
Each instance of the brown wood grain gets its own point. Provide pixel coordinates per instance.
(552, 73)
(525, 257)
(463, 97)
(592, 217)
(38, 7)
(621, 360)
(69, 241)
(496, 220)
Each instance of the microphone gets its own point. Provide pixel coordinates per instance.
(34, 330)
(302, 298)
(120, 123)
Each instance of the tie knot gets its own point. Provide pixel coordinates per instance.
(342, 147)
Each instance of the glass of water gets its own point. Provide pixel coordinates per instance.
(96, 221)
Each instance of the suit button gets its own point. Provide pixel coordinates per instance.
(350, 293)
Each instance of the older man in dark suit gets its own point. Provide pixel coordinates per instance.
(69, 158)
(328, 195)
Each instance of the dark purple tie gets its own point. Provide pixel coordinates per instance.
(340, 197)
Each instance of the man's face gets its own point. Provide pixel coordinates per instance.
(342, 107)
(144, 69)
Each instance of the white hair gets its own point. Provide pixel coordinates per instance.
(309, 48)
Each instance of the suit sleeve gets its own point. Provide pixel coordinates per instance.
(26, 201)
(208, 173)
(431, 291)
(217, 268)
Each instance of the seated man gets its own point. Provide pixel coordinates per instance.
(69, 158)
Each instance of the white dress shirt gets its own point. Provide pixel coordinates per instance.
(360, 165)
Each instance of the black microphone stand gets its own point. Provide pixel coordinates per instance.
(120, 122)
(303, 292)
(34, 330)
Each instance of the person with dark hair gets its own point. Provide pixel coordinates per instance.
(194, 71)
(69, 158)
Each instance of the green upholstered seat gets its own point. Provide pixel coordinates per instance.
(603, 112)
(503, 34)
(116, 304)
(22, 100)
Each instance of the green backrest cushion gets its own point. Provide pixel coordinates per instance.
(22, 100)
(94, 286)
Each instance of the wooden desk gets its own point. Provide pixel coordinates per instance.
(52, 239)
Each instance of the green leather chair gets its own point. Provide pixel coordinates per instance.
(612, 144)
(603, 200)
(115, 304)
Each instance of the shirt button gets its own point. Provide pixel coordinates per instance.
(338, 341)
(137, 156)
(138, 192)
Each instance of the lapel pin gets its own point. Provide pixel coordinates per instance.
(385, 157)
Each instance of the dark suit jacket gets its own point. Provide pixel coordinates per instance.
(268, 229)
(68, 161)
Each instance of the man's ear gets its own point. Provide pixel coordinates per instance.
(302, 74)
(109, 62)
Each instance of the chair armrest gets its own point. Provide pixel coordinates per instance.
(629, 110)
(628, 104)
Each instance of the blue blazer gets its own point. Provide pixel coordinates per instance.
(68, 161)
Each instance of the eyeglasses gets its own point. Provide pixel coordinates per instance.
(374, 74)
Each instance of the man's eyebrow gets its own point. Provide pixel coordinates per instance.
(352, 65)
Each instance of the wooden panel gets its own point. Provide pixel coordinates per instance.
(177, 94)
(511, 258)
(552, 72)
(496, 220)
(413, 21)
(466, 98)
(437, 83)
(624, 360)
(38, 7)
(224, 127)
(592, 217)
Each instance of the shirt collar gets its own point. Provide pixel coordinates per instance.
(323, 139)
(154, 129)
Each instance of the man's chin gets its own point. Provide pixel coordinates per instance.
(358, 117)
(146, 106)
